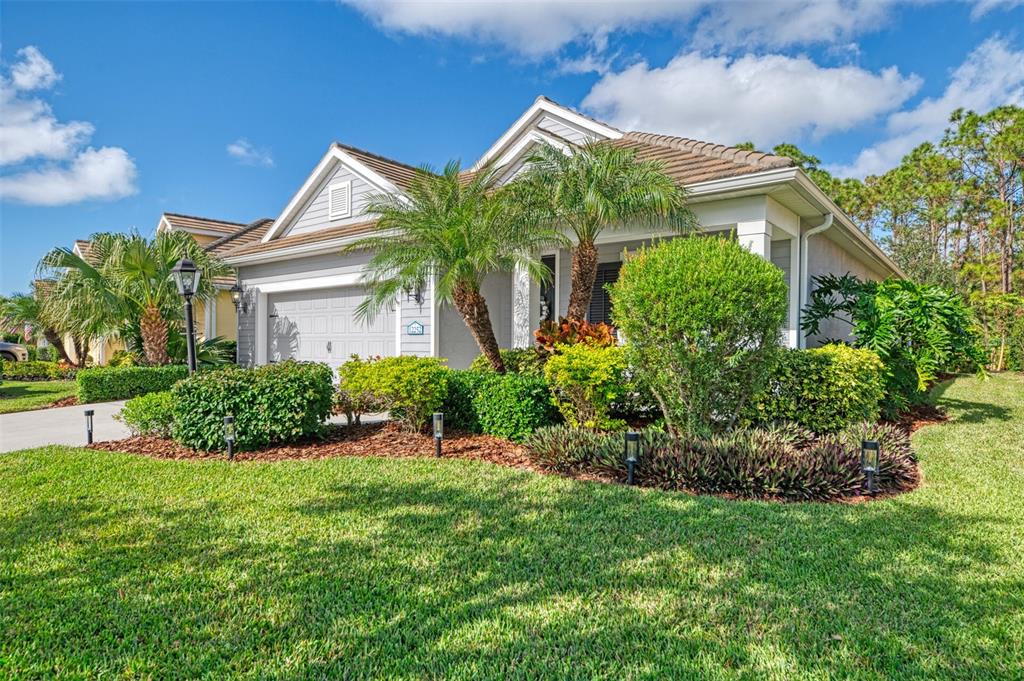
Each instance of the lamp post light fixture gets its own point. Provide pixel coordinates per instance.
(186, 278)
(869, 453)
(229, 436)
(632, 454)
(438, 432)
(88, 426)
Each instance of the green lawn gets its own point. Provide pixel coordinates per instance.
(113, 565)
(28, 395)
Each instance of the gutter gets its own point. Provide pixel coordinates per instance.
(805, 280)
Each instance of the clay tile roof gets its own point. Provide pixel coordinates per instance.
(400, 174)
(303, 239)
(84, 248)
(251, 233)
(689, 161)
(190, 222)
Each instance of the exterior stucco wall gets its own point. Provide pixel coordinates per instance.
(226, 321)
(826, 256)
(455, 341)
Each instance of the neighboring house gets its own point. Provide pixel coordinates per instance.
(301, 293)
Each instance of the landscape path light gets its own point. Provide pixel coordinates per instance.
(88, 426)
(869, 454)
(438, 432)
(632, 454)
(186, 278)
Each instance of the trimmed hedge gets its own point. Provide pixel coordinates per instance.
(102, 384)
(823, 389)
(150, 414)
(585, 380)
(276, 403)
(35, 371)
(459, 412)
(512, 406)
(411, 388)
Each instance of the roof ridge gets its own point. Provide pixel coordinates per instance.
(380, 157)
(200, 217)
(758, 159)
(229, 237)
(578, 113)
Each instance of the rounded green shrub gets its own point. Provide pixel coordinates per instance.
(585, 381)
(459, 412)
(271, 404)
(823, 389)
(703, 319)
(150, 414)
(513, 405)
(411, 388)
(35, 371)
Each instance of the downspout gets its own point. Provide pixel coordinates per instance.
(805, 280)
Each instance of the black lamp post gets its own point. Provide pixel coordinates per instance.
(186, 278)
(632, 454)
(88, 426)
(229, 436)
(438, 432)
(869, 453)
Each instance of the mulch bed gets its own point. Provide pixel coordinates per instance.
(377, 439)
(921, 416)
(63, 402)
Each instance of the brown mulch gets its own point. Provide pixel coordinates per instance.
(376, 439)
(69, 401)
(921, 416)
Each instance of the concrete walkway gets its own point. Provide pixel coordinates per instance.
(61, 426)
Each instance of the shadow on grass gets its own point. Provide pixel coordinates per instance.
(966, 411)
(507, 575)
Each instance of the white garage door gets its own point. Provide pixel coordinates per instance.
(321, 326)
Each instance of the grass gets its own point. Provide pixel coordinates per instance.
(113, 565)
(28, 395)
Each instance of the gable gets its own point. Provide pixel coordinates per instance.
(316, 214)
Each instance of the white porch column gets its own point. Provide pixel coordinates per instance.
(756, 237)
(262, 339)
(520, 308)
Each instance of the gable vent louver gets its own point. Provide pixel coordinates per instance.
(339, 199)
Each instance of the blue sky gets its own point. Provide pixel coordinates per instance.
(113, 113)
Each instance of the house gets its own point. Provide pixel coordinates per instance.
(300, 292)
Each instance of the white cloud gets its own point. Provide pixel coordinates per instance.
(536, 28)
(247, 154)
(46, 161)
(991, 76)
(983, 7)
(765, 99)
(106, 173)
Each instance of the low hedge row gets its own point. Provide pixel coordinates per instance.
(103, 384)
(507, 405)
(275, 403)
(787, 462)
(35, 371)
(823, 389)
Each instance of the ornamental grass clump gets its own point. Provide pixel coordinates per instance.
(703, 319)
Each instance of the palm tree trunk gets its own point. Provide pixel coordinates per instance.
(473, 308)
(584, 273)
(55, 341)
(153, 329)
(81, 351)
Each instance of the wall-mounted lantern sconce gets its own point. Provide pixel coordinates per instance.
(236, 298)
(414, 294)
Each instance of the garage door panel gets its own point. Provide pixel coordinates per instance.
(307, 322)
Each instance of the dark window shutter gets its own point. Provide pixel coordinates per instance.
(600, 301)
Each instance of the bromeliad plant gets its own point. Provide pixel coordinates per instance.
(920, 331)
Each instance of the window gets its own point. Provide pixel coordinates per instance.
(547, 291)
(339, 200)
(600, 301)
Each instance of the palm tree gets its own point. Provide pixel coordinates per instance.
(454, 229)
(21, 310)
(594, 187)
(126, 282)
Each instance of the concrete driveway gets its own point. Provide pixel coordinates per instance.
(61, 426)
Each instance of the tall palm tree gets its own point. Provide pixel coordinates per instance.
(454, 229)
(126, 281)
(594, 187)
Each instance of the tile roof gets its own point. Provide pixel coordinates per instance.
(690, 161)
(190, 222)
(251, 233)
(398, 173)
(304, 239)
(84, 247)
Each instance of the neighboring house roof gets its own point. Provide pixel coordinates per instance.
(198, 225)
(83, 249)
(299, 241)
